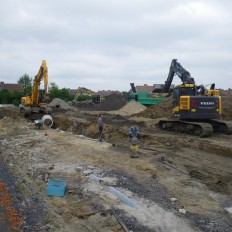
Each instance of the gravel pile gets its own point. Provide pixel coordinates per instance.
(59, 103)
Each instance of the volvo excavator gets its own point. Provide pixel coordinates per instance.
(196, 111)
(36, 104)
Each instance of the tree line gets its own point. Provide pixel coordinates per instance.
(7, 97)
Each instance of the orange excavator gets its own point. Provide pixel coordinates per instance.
(37, 103)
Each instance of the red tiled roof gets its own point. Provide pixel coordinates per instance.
(11, 87)
(104, 93)
(223, 92)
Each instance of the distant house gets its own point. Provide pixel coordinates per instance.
(72, 91)
(159, 87)
(223, 92)
(150, 88)
(104, 93)
(143, 88)
(11, 87)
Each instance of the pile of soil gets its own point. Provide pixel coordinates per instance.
(163, 109)
(132, 107)
(59, 103)
(227, 108)
(227, 102)
(111, 102)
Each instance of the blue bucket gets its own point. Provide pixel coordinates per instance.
(56, 188)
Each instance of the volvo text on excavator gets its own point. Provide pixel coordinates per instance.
(194, 111)
(38, 101)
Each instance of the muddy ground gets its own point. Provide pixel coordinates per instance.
(179, 182)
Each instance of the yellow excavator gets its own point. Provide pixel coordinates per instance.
(196, 111)
(38, 101)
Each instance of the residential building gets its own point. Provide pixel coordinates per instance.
(11, 87)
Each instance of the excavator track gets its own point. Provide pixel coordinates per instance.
(224, 127)
(199, 129)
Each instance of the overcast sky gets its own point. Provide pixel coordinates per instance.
(106, 44)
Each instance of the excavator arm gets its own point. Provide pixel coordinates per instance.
(177, 69)
(42, 74)
(133, 89)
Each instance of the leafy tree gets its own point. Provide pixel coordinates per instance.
(16, 98)
(7, 97)
(55, 92)
(65, 95)
(53, 89)
(84, 98)
(27, 83)
(4, 96)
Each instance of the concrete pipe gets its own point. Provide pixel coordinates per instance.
(47, 120)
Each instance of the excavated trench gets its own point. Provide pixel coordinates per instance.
(116, 131)
(216, 149)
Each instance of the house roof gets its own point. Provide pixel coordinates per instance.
(11, 87)
(149, 88)
(223, 92)
(104, 93)
(159, 87)
(72, 91)
(143, 88)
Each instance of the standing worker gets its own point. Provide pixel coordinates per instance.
(100, 126)
(134, 139)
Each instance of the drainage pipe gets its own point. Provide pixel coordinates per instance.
(124, 198)
(47, 120)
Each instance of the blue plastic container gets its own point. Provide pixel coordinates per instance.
(56, 188)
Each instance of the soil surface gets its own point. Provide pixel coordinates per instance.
(179, 182)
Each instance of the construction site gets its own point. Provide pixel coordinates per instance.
(146, 171)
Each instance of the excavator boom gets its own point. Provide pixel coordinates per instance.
(37, 102)
(177, 69)
(42, 74)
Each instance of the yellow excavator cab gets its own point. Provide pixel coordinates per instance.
(37, 102)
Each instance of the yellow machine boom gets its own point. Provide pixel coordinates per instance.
(37, 102)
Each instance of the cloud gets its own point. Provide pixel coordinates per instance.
(108, 44)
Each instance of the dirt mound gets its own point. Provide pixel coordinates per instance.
(227, 108)
(132, 107)
(59, 103)
(163, 109)
(111, 102)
